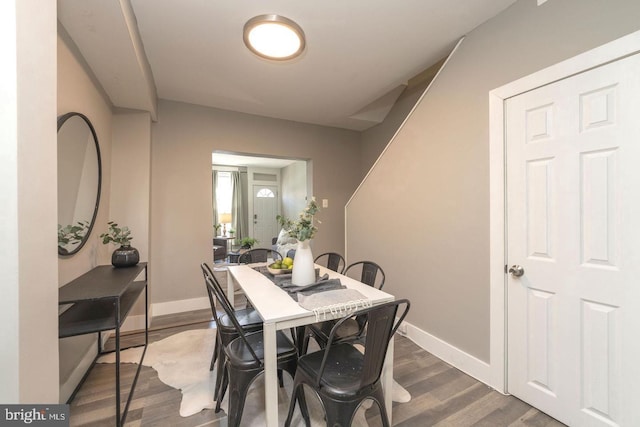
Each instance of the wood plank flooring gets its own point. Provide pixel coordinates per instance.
(441, 394)
(154, 403)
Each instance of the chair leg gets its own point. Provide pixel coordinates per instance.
(305, 343)
(378, 397)
(290, 367)
(219, 373)
(298, 395)
(302, 402)
(280, 378)
(239, 383)
(339, 413)
(222, 387)
(213, 360)
(215, 352)
(292, 406)
(298, 338)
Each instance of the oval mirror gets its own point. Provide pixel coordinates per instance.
(79, 181)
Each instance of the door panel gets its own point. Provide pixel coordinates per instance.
(573, 224)
(265, 210)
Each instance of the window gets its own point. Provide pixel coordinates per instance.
(265, 192)
(224, 192)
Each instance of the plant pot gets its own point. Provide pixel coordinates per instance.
(125, 256)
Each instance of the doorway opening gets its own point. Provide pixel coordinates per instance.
(250, 191)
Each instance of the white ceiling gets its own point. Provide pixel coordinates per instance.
(250, 161)
(192, 51)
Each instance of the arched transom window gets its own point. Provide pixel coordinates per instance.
(265, 192)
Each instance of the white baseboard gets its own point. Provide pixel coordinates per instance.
(79, 371)
(179, 306)
(135, 323)
(455, 357)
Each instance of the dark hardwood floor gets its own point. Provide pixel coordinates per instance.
(441, 394)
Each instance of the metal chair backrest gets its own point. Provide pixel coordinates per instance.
(369, 273)
(207, 272)
(208, 276)
(382, 322)
(215, 288)
(258, 255)
(334, 261)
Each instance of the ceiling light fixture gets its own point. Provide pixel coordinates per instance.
(274, 37)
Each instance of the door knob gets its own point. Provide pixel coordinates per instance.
(516, 270)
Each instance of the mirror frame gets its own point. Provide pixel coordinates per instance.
(61, 121)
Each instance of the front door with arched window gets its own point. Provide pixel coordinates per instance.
(265, 209)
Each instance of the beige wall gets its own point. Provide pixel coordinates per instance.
(77, 92)
(435, 175)
(28, 308)
(131, 175)
(376, 138)
(130, 188)
(182, 142)
(294, 189)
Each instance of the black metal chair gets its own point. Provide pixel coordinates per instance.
(367, 272)
(248, 318)
(332, 260)
(259, 255)
(245, 361)
(341, 375)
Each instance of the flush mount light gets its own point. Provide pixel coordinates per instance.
(274, 37)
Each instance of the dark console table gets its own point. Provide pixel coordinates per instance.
(100, 300)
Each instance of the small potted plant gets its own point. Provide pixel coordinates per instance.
(125, 255)
(216, 229)
(247, 242)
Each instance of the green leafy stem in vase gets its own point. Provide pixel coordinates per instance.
(116, 234)
(303, 229)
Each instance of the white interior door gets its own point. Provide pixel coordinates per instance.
(573, 225)
(265, 210)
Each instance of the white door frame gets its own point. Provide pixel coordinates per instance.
(609, 52)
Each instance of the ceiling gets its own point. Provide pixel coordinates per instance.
(360, 54)
(228, 159)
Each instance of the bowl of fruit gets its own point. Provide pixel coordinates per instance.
(281, 267)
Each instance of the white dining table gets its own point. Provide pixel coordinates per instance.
(279, 311)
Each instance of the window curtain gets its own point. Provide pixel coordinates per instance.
(238, 207)
(215, 202)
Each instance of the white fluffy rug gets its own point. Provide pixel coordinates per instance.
(182, 361)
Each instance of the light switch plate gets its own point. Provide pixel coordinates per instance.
(325, 203)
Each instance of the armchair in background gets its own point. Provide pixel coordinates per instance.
(219, 249)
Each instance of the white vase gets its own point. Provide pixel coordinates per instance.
(304, 272)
